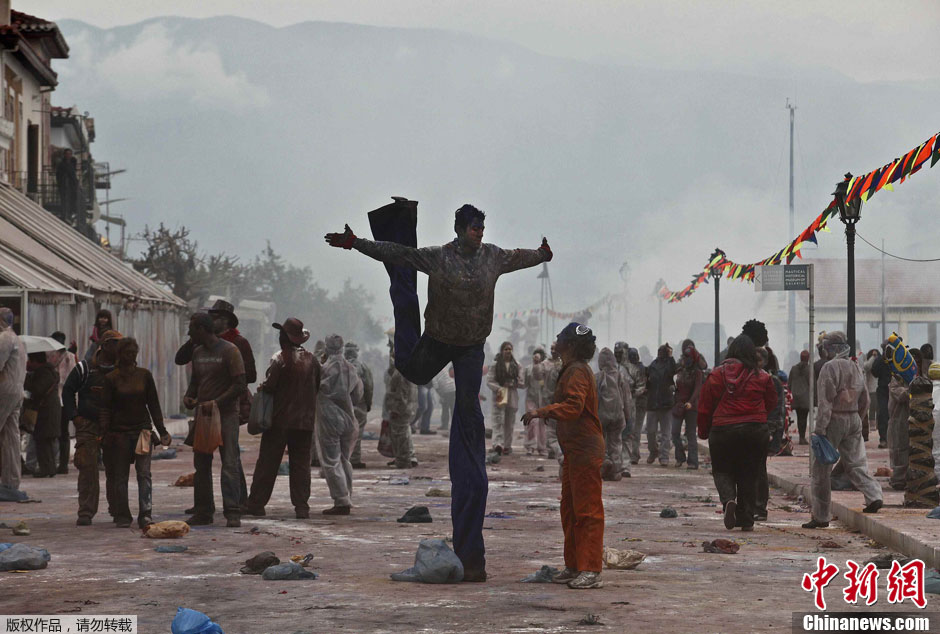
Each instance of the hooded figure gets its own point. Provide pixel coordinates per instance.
(363, 406)
(843, 403)
(689, 379)
(12, 377)
(636, 372)
(337, 427)
(661, 397)
(613, 409)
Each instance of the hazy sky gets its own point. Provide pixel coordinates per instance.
(867, 40)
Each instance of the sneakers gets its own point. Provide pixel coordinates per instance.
(337, 510)
(873, 507)
(815, 524)
(730, 519)
(586, 580)
(566, 575)
(200, 520)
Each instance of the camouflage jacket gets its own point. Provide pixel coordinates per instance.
(460, 285)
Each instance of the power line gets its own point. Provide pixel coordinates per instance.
(891, 254)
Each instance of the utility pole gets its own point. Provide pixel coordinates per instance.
(884, 333)
(625, 275)
(791, 298)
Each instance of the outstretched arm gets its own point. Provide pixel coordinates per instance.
(424, 260)
(515, 259)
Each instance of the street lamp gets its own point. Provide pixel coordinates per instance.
(715, 273)
(850, 212)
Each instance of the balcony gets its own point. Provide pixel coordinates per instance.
(43, 189)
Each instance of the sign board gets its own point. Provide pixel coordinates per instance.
(789, 277)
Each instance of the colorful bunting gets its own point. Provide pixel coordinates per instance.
(863, 187)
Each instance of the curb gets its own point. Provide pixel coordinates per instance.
(862, 522)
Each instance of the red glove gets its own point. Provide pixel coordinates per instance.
(344, 240)
(547, 250)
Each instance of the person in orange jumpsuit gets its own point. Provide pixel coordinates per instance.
(581, 437)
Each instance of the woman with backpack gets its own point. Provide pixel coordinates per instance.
(613, 409)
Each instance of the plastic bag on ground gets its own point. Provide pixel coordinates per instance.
(185, 480)
(721, 546)
(170, 529)
(24, 557)
(544, 575)
(934, 514)
(166, 454)
(171, 549)
(288, 571)
(193, 622)
(668, 513)
(932, 582)
(259, 563)
(623, 559)
(823, 450)
(435, 562)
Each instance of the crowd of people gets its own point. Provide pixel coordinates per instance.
(588, 418)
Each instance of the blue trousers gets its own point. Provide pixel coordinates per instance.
(420, 358)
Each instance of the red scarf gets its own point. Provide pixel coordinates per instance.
(230, 335)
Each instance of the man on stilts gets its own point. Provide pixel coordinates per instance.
(462, 277)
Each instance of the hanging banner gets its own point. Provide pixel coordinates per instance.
(863, 187)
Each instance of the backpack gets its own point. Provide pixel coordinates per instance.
(609, 397)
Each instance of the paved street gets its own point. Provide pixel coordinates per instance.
(105, 570)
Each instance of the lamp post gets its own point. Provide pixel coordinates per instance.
(716, 275)
(850, 212)
(659, 332)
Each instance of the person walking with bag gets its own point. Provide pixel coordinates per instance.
(504, 379)
(843, 403)
(86, 384)
(217, 383)
(293, 379)
(129, 406)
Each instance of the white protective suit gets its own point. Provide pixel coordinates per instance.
(843, 403)
(613, 408)
(337, 427)
(12, 377)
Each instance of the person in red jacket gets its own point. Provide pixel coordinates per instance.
(732, 416)
(581, 437)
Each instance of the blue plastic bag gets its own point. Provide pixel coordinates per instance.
(193, 622)
(823, 450)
